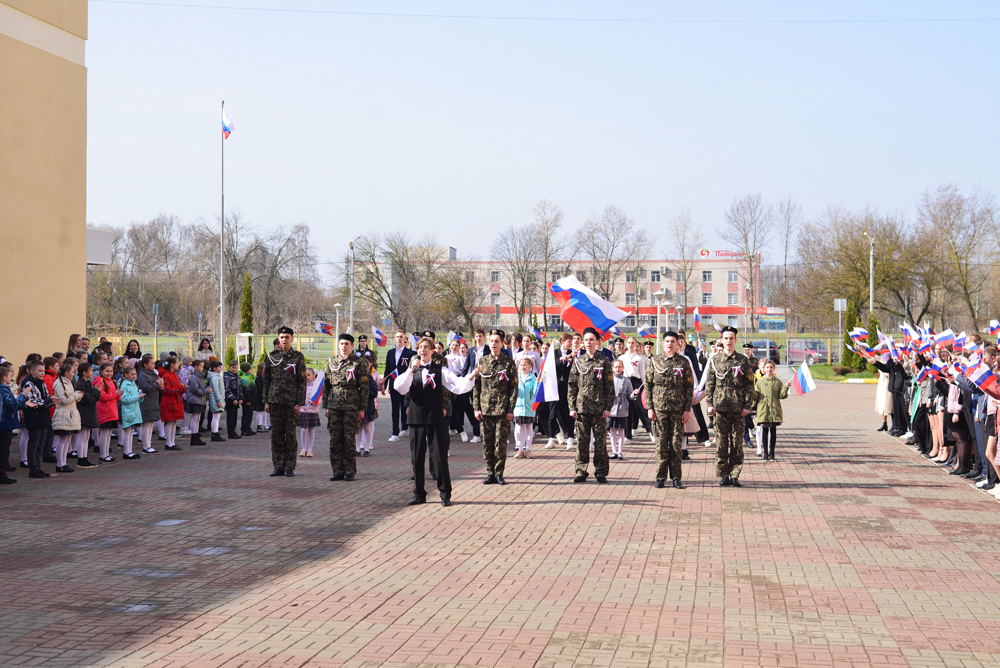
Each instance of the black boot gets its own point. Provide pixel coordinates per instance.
(217, 439)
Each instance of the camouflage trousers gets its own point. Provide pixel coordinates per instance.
(283, 443)
(729, 445)
(669, 436)
(343, 427)
(495, 430)
(597, 423)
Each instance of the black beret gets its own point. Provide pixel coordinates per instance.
(670, 334)
(591, 330)
(286, 330)
(747, 346)
(729, 328)
(649, 343)
(498, 332)
(345, 337)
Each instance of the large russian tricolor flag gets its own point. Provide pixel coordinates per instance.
(548, 384)
(697, 320)
(803, 381)
(582, 308)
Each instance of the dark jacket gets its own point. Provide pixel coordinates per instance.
(88, 404)
(259, 385)
(196, 389)
(9, 406)
(370, 412)
(147, 381)
(234, 388)
(897, 375)
(691, 353)
(392, 364)
(38, 417)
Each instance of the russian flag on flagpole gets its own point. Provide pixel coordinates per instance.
(324, 328)
(646, 333)
(580, 307)
(227, 125)
(803, 381)
(548, 384)
(697, 320)
(380, 338)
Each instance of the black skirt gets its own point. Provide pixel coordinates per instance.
(66, 432)
(617, 422)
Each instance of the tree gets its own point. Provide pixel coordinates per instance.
(790, 217)
(460, 294)
(749, 228)
(873, 329)
(851, 320)
(552, 247)
(612, 244)
(246, 308)
(688, 241)
(514, 251)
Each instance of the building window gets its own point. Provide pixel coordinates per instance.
(494, 276)
(532, 277)
(629, 321)
(732, 322)
(630, 277)
(734, 299)
(555, 323)
(653, 319)
(706, 276)
(734, 277)
(470, 277)
(654, 276)
(706, 299)
(494, 298)
(630, 299)
(555, 276)
(582, 277)
(679, 276)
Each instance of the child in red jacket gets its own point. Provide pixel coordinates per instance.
(107, 410)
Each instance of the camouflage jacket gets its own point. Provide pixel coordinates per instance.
(591, 384)
(669, 383)
(285, 378)
(345, 386)
(729, 386)
(496, 386)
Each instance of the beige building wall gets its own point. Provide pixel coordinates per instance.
(43, 174)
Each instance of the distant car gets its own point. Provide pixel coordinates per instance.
(762, 349)
(809, 351)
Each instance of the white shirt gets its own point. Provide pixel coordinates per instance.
(451, 381)
(456, 362)
(635, 366)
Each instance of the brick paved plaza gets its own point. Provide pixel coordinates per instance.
(850, 550)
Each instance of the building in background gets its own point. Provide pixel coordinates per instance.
(43, 174)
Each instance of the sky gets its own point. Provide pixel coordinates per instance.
(456, 127)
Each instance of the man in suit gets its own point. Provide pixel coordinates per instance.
(476, 352)
(397, 361)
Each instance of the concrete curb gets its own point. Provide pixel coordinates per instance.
(861, 381)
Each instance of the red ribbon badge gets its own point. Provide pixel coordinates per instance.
(350, 374)
(678, 372)
(290, 367)
(429, 380)
(503, 375)
(737, 371)
(599, 371)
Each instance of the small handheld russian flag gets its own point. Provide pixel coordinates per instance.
(945, 338)
(413, 340)
(803, 381)
(994, 327)
(959, 341)
(539, 334)
(697, 320)
(324, 328)
(380, 338)
(981, 375)
(227, 126)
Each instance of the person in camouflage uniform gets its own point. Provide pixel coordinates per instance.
(729, 395)
(284, 394)
(345, 397)
(591, 396)
(493, 400)
(670, 383)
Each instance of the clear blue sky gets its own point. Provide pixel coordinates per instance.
(458, 126)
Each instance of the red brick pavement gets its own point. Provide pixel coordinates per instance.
(850, 550)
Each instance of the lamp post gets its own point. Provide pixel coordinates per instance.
(350, 327)
(660, 303)
(338, 306)
(871, 273)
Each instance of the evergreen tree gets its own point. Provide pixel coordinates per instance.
(246, 309)
(851, 320)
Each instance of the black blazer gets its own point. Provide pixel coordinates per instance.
(391, 363)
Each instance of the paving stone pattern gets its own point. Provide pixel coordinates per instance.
(850, 550)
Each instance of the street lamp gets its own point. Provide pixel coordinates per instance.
(338, 306)
(660, 303)
(871, 272)
(350, 327)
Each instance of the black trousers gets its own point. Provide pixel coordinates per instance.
(922, 429)
(559, 418)
(900, 413)
(541, 424)
(246, 422)
(232, 419)
(768, 432)
(398, 412)
(637, 413)
(36, 440)
(461, 407)
(702, 436)
(5, 439)
(432, 438)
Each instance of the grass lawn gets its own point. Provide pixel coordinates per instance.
(825, 372)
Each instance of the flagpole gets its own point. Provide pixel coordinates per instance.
(222, 241)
